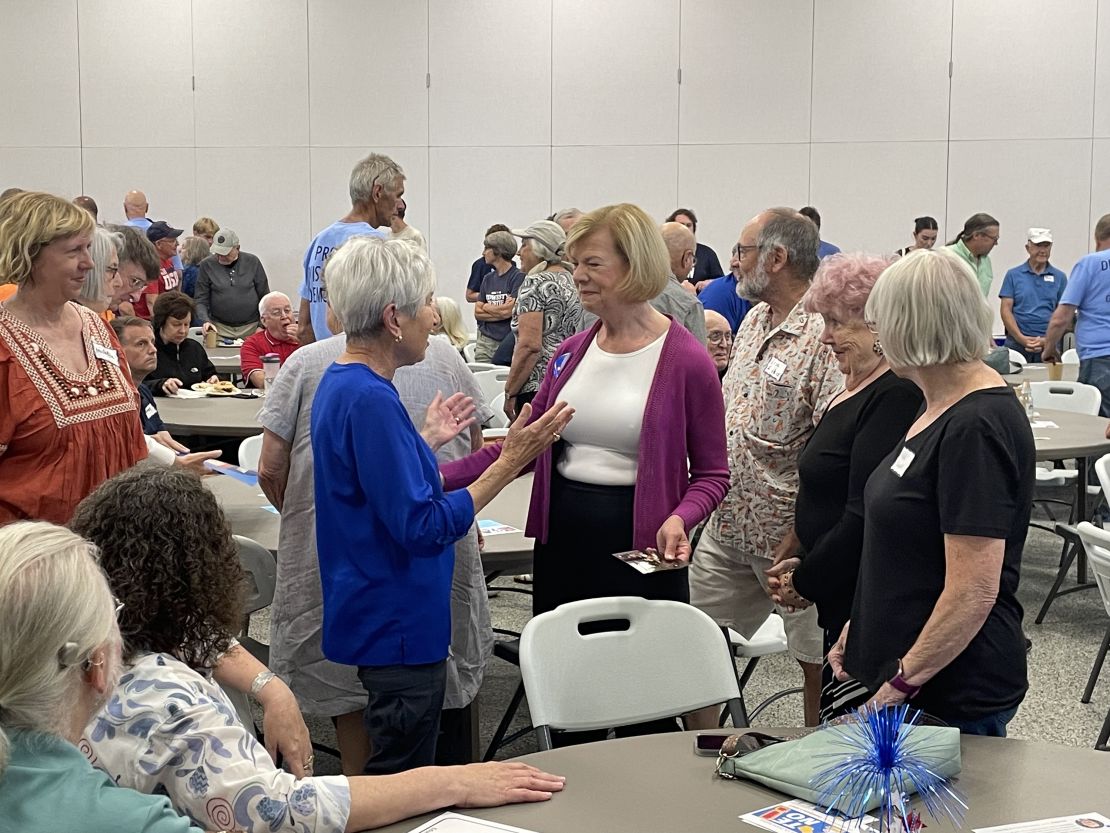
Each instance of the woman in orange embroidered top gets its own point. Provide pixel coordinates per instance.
(69, 418)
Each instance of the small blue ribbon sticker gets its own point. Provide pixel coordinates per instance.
(560, 363)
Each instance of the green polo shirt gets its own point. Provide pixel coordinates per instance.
(981, 266)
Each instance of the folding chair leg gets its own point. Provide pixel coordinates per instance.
(503, 726)
(1104, 735)
(1096, 669)
(1061, 574)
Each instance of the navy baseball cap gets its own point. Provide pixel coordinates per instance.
(161, 230)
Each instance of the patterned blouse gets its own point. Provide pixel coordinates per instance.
(62, 433)
(554, 295)
(167, 730)
(777, 385)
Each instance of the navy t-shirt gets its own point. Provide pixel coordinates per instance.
(495, 290)
(148, 412)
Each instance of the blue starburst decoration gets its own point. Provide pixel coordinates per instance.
(884, 757)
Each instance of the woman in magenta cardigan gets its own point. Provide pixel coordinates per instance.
(644, 460)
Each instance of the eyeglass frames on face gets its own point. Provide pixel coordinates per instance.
(739, 251)
(719, 338)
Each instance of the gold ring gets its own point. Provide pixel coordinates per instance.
(556, 436)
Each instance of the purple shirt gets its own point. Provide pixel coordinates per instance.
(683, 460)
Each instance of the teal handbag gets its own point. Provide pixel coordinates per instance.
(795, 767)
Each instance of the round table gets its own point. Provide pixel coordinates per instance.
(1039, 373)
(1076, 435)
(212, 416)
(224, 359)
(656, 783)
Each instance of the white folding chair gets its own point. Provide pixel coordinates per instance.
(769, 639)
(468, 351)
(1077, 397)
(250, 450)
(670, 659)
(197, 334)
(492, 382)
(498, 420)
(1070, 356)
(478, 367)
(1017, 358)
(1096, 543)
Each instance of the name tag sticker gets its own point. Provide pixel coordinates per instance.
(1050, 279)
(106, 353)
(903, 462)
(150, 411)
(775, 368)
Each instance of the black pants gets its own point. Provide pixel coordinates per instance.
(456, 737)
(402, 714)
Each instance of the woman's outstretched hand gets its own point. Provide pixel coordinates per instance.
(447, 418)
(524, 442)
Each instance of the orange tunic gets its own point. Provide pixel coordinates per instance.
(62, 433)
(7, 290)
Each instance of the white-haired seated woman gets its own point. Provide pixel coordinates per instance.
(385, 528)
(59, 660)
(935, 619)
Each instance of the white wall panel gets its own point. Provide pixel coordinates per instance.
(136, 73)
(880, 76)
(38, 62)
(55, 170)
(589, 177)
(869, 193)
(251, 66)
(1100, 186)
(232, 183)
(727, 185)
(734, 53)
(614, 72)
(485, 90)
(367, 62)
(1102, 71)
(473, 188)
(166, 175)
(1023, 70)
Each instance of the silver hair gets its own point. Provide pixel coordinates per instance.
(366, 274)
(104, 244)
(375, 169)
(269, 296)
(928, 310)
(502, 243)
(567, 212)
(55, 611)
(543, 251)
(797, 235)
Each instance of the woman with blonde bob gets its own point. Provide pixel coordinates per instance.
(646, 400)
(936, 620)
(59, 660)
(450, 322)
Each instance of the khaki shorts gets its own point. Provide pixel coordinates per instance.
(732, 588)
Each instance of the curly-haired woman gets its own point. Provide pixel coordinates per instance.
(169, 729)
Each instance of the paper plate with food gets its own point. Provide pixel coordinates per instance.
(222, 388)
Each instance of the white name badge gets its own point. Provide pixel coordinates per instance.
(150, 411)
(903, 462)
(106, 353)
(775, 368)
(1050, 279)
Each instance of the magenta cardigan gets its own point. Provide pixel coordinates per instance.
(683, 459)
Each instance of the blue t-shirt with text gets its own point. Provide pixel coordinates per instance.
(312, 289)
(1088, 289)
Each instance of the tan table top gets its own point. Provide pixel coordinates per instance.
(656, 783)
(1039, 373)
(1077, 435)
(221, 416)
(243, 506)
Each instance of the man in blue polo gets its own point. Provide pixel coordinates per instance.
(720, 296)
(1088, 293)
(1029, 293)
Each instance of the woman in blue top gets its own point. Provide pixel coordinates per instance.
(385, 529)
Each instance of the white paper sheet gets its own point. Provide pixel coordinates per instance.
(456, 823)
(1060, 824)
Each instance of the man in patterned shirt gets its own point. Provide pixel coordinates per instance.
(778, 384)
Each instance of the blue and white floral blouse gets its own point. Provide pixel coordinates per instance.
(167, 730)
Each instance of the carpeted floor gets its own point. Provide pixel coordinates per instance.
(1063, 651)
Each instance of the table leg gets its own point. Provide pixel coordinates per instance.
(1082, 466)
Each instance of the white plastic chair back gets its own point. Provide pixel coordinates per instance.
(478, 367)
(1070, 356)
(1017, 358)
(492, 382)
(1096, 543)
(498, 420)
(197, 334)
(260, 567)
(769, 639)
(468, 351)
(671, 659)
(490, 434)
(1067, 396)
(250, 450)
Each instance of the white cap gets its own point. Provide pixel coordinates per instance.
(1039, 235)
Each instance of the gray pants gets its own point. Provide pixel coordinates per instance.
(484, 348)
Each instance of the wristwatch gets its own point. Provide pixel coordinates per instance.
(898, 681)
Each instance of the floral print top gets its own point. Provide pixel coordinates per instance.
(167, 730)
(778, 383)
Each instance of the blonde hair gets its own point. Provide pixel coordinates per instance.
(928, 310)
(450, 322)
(55, 611)
(32, 220)
(205, 225)
(637, 240)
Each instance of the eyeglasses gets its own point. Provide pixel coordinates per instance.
(739, 251)
(111, 270)
(871, 326)
(719, 338)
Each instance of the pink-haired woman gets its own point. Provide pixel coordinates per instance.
(859, 428)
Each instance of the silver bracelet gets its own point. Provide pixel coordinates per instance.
(260, 681)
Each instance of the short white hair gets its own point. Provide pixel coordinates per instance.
(55, 611)
(269, 296)
(929, 310)
(368, 273)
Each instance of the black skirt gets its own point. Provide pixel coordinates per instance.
(586, 525)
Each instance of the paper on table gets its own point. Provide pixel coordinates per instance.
(794, 815)
(1060, 824)
(185, 393)
(489, 527)
(1043, 423)
(456, 823)
(248, 477)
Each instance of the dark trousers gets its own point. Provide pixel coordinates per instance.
(1096, 372)
(1034, 358)
(456, 737)
(402, 714)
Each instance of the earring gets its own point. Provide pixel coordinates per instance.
(400, 337)
(877, 347)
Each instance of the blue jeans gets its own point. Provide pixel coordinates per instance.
(1096, 372)
(991, 725)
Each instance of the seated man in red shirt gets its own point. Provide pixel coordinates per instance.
(278, 336)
